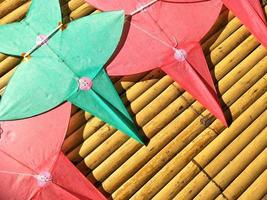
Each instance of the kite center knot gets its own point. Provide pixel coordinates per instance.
(85, 83)
(43, 178)
(42, 40)
(180, 55)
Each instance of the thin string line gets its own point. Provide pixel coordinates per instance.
(42, 42)
(17, 173)
(155, 21)
(152, 36)
(143, 7)
(22, 164)
(147, 32)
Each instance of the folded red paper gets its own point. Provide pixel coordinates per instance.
(32, 165)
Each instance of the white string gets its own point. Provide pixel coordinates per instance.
(152, 36)
(41, 43)
(143, 7)
(145, 31)
(17, 173)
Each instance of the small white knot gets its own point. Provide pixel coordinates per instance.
(180, 55)
(41, 40)
(43, 178)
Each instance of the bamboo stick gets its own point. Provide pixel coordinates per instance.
(222, 140)
(5, 78)
(2, 57)
(193, 187)
(229, 44)
(224, 18)
(9, 5)
(167, 172)
(234, 168)
(76, 121)
(257, 190)
(246, 178)
(123, 84)
(235, 57)
(70, 6)
(242, 68)
(8, 64)
(15, 15)
(218, 37)
(83, 10)
(191, 170)
(137, 89)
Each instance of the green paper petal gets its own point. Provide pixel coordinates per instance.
(88, 43)
(16, 38)
(43, 16)
(36, 87)
(94, 103)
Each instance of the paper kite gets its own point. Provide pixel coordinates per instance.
(166, 34)
(63, 62)
(251, 14)
(32, 165)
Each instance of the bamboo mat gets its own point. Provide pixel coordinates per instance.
(190, 154)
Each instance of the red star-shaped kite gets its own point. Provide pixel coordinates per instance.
(32, 165)
(166, 34)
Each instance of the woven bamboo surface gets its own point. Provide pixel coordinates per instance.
(190, 154)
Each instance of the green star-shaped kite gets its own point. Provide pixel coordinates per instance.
(63, 63)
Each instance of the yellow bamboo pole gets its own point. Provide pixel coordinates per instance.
(9, 5)
(81, 11)
(123, 84)
(193, 187)
(224, 18)
(235, 57)
(5, 78)
(257, 190)
(170, 170)
(218, 37)
(246, 178)
(8, 64)
(229, 44)
(234, 168)
(241, 69)
(15, 15)
(71, 6)
(191, 170)
(2, 57)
